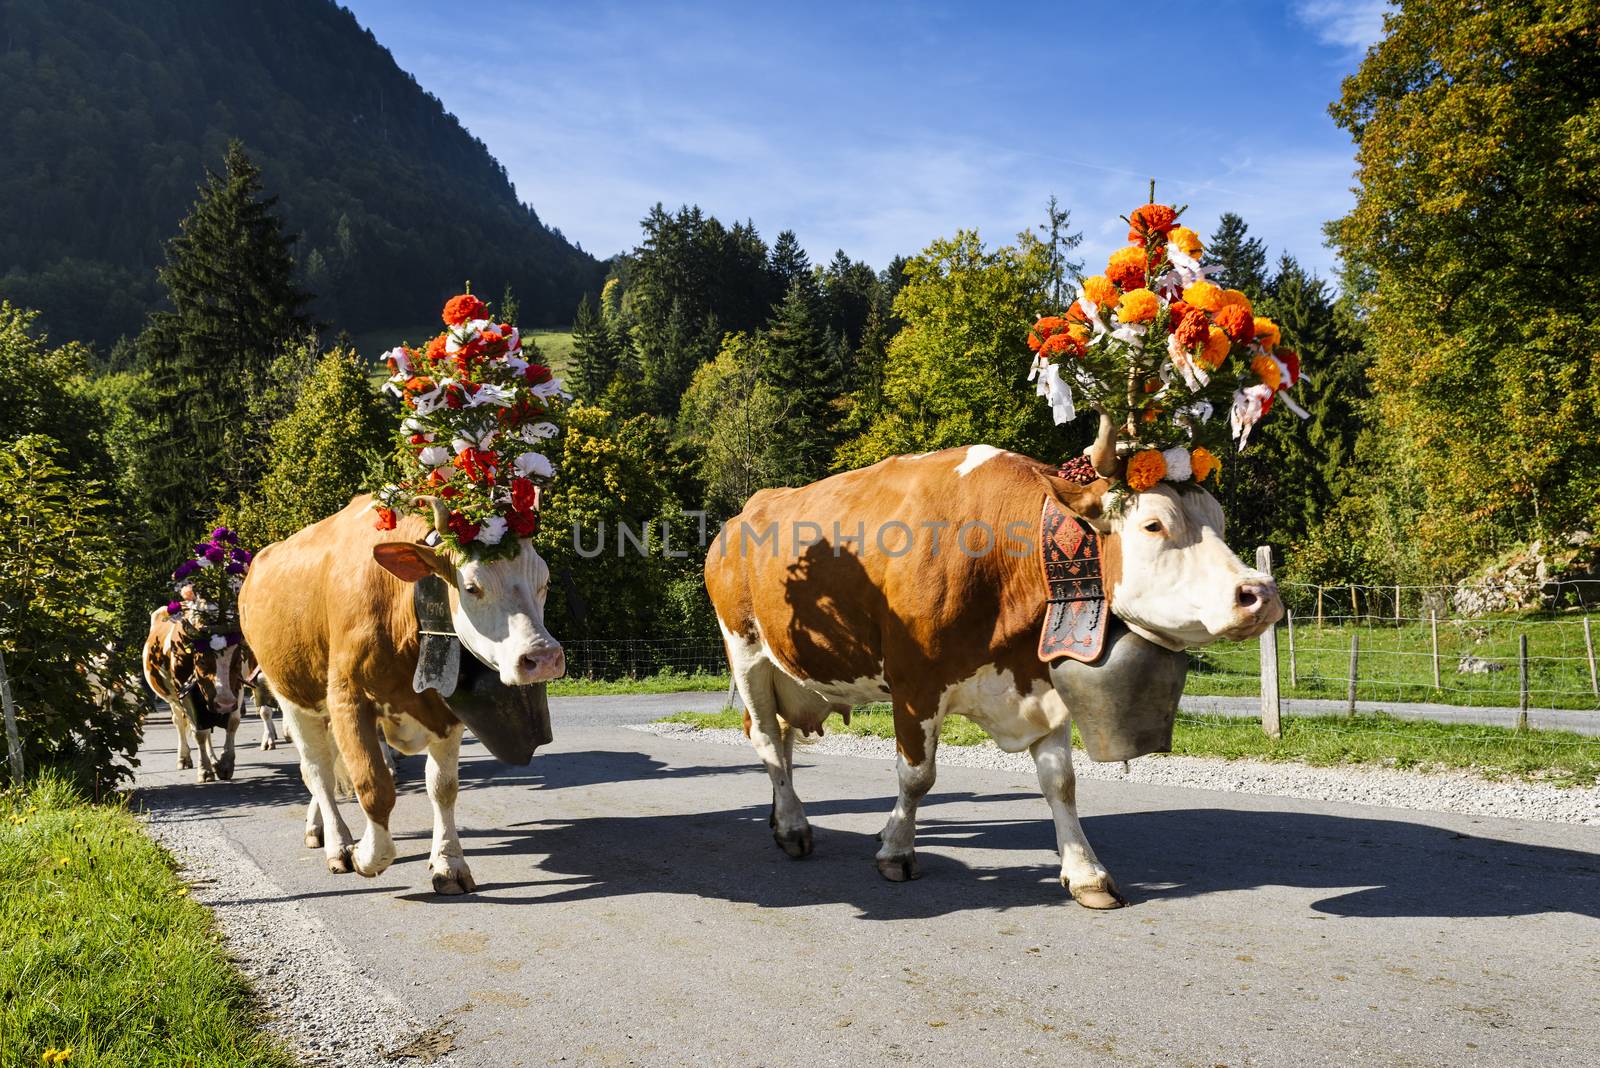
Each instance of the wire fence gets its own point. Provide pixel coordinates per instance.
(643, 657)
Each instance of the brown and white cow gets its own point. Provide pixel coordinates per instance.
(863, 587)
(329, 614)
(203, 688)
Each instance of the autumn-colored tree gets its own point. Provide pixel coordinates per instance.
(1477, 127)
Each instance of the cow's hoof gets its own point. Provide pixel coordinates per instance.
(206, 775)
(454, 883)
(225, 768)
(268, 745)
(185, 763)
(313, 839)
(795, 843)
(339, 863)
(1100, 894)
(899, 869)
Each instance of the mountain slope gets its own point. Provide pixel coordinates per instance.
(111, 110)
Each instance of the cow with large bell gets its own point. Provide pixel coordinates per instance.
(982, 583)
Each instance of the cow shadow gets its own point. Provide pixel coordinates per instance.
(1371, 867)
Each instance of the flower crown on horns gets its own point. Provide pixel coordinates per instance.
(216, 572)
(1157, 350)
(474, 410)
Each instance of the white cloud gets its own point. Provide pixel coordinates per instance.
(1351, 24)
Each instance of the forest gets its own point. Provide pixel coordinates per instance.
(1451, 368)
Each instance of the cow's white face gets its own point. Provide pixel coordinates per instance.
(1181, 586)
(228, 680)
(497, 606)
(498, 610)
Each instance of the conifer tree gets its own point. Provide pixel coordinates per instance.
(787, 263)
(233, 307)
(1241, 260)
(800, 365)
(594, 354)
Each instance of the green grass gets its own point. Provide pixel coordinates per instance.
(1396, 663)
(104, 953)
(1559, 757)
(668, 681)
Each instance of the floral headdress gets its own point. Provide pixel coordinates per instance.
(1158, 350)
(474, 411)
(215, 573)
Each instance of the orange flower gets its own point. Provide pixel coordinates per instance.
(1062, 344)
(1233, 298)
(435, 349)
(1203, 295)
(1043, 329)
(463, 309)
(385, 519)
(1138, 306)
(1098, 288)
(1266, 368)
(1150, 219)
(1186, 240)
(1145, 469)
(1237, 322)
(1216, 350)
(1127, 266)
(1267, 333)
(1203, 462)
(1193, 329)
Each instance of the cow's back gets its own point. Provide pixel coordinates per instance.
(316, 604)
(922, 617)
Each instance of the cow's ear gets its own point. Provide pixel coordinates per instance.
(1086, 501)
(410, 560)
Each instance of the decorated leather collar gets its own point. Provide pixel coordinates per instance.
(1076, 613)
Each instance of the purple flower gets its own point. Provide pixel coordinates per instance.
(185, 569)
(235, 568)
(215, 553)
(174, 608)
(224, 534)
(243, 556)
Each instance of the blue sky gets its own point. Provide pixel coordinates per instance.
(876, 127)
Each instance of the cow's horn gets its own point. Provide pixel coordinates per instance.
(1103, 453)
(441, 514)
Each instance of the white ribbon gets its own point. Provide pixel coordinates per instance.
(1053, 389)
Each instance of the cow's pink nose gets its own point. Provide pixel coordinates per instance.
(1256, 596)
(545, 663)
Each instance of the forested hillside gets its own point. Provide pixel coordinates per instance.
(112, 110)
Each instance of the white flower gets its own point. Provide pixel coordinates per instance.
(218, 643)
(464, 440)
(1178, 467)
(534, 465)
(491, 530)
(434, 456)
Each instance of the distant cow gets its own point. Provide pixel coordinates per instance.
(202, 687)
(820, 610)
(329, 613)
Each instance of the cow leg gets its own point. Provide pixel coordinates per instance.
(897, 858)
(754, 676)
(355, 727)
(202, 743)
(1081, 871)
(447, 860)
(317, 759)
(225, 765)
(269, 736)
(180, 723)
(313, 824)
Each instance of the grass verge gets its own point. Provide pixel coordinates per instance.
(1558, 757)
(103, 954)
(668, 681)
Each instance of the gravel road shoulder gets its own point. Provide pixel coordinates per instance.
(1434, 791)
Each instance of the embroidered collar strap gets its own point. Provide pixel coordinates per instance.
(1076, 613)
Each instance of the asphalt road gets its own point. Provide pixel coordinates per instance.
(633, 910)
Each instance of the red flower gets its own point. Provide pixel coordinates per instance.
(453, 397)
(1062, 344)
(448, 491)
(1044, 329)
(463, 530)
(523, 524)
(1192, 329)
(385, 519)
(479, 464)
(524, 495)
(435, 349)
(1291, 360)
(1237, 322)
(418, 439)
(536, 374)
(1151, 219)
(466, 307)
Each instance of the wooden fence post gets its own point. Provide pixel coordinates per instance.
(1355, 647)
(1522, 679)
(1397, 602)
(1270, 711)
(1433, 628)
(1355, 610)
(13, 740)
(1319, 607)
(1588, 647)
(1294, 669)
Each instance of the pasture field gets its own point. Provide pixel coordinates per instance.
(104, 954)
(667, 681)
(1558, 757)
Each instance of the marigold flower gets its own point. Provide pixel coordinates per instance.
(435, 349)
(1238, 323)
(1150, 219)
(1193, 329)
(1203, 295)
(463, 309)
(1138, 306)
(1234, 298)
(385, 519)
(1267, 333)
(1062, 344)
(1145, 469)
(1266, 368)
(1216, 350)
(1186, 241)
(1203, 462)
(1098, 288)
(1127, 266)
(1044, 329)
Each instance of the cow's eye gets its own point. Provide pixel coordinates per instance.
(472, 588)
(1154, 526)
